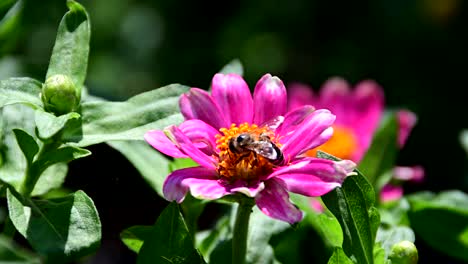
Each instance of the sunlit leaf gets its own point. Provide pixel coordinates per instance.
(20, 90)
(106, 121)
(71, 48)
(61, 155)
(339, 257)
(13, 161)
(61, 228)
(352, 204)
(326, 225)
(234, 66)
(388, 236)
(48, 125)
(442, 221)
(134, 236)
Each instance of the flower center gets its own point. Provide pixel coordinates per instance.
(242, 152)
(342, 144)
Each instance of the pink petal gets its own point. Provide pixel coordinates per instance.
(316, 205)
(186, 146)
(293, 119)
(314, 177)
(300, 94)
(414, 174)
(201, 182)
(201, 134)
(159, 141)
(321, 139)
(406, 121)
(366, 111)
(274, 202)
(270, 99)
(335, 95)
(308, 134)
(391, 193)
(198, 104)
(248, 190)
(232, 94)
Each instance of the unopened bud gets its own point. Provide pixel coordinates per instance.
(60, 95)
(404, 252)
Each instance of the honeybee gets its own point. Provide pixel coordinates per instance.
(245, 143)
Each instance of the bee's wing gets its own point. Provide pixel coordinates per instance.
(264, 148)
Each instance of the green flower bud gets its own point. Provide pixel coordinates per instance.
(404, 252)
(60, 95)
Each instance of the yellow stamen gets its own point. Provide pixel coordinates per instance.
(342, 144)
(246, 165)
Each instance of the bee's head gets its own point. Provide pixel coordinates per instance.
(244, 139)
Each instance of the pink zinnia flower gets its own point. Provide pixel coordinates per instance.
(358, 114)
(270, 165)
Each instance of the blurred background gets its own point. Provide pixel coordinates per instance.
(415, 49)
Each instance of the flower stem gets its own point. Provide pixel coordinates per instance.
(32, 174)
(241, 228)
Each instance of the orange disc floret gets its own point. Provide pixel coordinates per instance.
(342, 144)
(246, 165)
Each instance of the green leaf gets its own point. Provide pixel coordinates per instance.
(395, 213)
(352, 205)
(9, 23)
(170, 241)
(388, 236)
(12, 253)
(261, 229)
(382, 153)
(441, 221)
(151, 164)
(234, 66)
(259, 250)
(71, 48)
(366, 188)
(134, 236)
(339, 257)
(208, 240)
(48, 125)
(20, 91)
(5, 5)
(326, 225)
(27, 144)
(129, 120)
(191, 209)
(62, 155)
(60, 229)
(464, 140)
(181, 163)
(379, 255)
(13, 161)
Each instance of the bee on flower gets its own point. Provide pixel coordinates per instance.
(250, 145)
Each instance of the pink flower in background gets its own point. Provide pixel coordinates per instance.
(249, 145)
(394, 191)
(358, 114)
